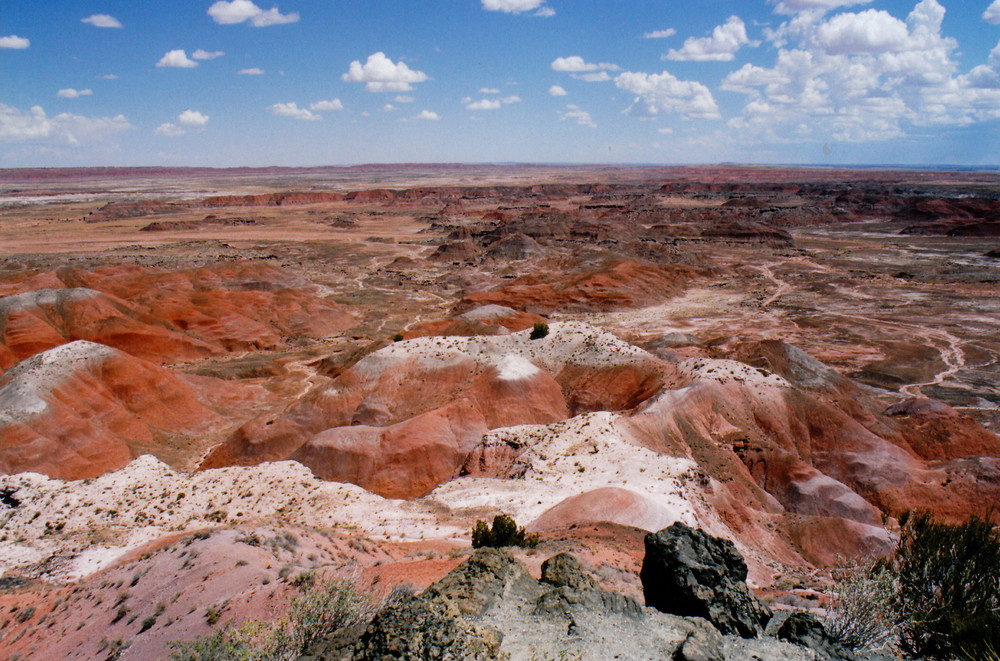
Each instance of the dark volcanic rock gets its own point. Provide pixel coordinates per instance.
(806, 630)
(564, 570)
(489, 607)
(688, 572)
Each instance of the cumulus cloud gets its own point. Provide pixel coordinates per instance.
(660, 34)
(238, 11)
(170, 130)
(592, 77)
(253, 71)
(332, 104)
(380, 74)
(207, 55)
(65, 129)
(489, 90)
(70, 93)
(721, 46)
(178, 59)
(402, 98)
(795, 6)
(871, 31)
(575, 64)
(557, 90)
(292, 110)
(15, 42)
(575, 113)
(483, 104)
(192, 118)
(428, 115)
(862, 77)
(519, 7)
(992, 13)
(665, 93)
(490, 104)
(102, 21)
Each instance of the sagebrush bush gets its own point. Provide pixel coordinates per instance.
(538, 331)
(319, 611)
(864, 612)
(949, 587)
(503, 533)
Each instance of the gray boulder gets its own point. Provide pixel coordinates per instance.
(690, 573)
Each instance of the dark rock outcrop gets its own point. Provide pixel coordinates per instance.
(489, 607)
(690, 573)
(806, 630)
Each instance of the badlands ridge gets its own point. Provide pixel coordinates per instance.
(788, 359)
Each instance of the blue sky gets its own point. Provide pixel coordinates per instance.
(334, 82)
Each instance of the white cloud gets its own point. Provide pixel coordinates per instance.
(380, 74)
(238, 11)
(660, 34)
(292, 110)
(65, 129)
(192, 118)
(176, 58)
(794, 6)
(401, 98)
(518, 6)
(102, 21)
(388, 107)
(575, 64)
(207, 55)
(871, 31)
(726, 39)
(253, 71)
(557, 90)
(575, 113)
(332, 104)
(70, 93)
(484, 104)
(170, 130)
(490, 104)
(15, 42)
(489, 90)
(862, 77)
(664, 93)
(592, 77)
(665, 131)
(109, 76)
(992, 13)
(428, 115)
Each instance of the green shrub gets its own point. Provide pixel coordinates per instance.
(503, 533)
(539, 331)
(949, 587)
(398, 337)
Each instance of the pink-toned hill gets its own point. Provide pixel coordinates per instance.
(166, 316)
(83, 409)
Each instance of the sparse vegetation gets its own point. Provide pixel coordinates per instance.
(539, 330)
(949, 587)
(503, 533)
(316, 613)
(398, 337)
(863, 614)
(938, 597)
